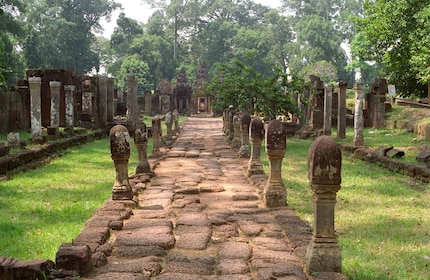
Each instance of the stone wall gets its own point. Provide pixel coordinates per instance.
(14, 110)
(416, 171)
(13, 161)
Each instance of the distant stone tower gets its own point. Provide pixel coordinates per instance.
(201, 101)
(182, 94)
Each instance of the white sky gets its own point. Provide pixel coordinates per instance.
(141, 12)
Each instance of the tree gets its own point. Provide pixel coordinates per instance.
(10, 30)
(134, 66)
(322, 69)
(396, 34)
(241, 86)
(61, 33)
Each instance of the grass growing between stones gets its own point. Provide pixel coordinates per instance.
(381, 218)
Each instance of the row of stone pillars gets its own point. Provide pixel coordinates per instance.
(105, 106)
(324, 173)
(35, 103)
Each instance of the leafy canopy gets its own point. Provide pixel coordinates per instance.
(241, 86)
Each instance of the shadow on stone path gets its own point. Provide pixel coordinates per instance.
(202, 218)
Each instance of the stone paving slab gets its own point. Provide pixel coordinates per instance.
(201, 218)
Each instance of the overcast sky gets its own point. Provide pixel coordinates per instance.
(141, 12)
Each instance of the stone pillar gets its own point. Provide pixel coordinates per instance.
(274, 193)
(324, 172)
(103, 101)
(358, 116)
(70, 103)
(141, 142)
(132, 106)
(230, 126)
(256, 137)
(148, 102)
(110, 100)
(341, 111)
(328, 96)
(87, 104)
(55, 88)
(237, 122)
(36, 114)
(120, 153)
(316, 104)
(380, 98)
(169, 121)
(13, 140)
(175, 115)
(156, 135)
(244, 148)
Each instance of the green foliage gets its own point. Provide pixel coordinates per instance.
(241, 86)
(397, 36)
(133, 66)
(11, 63)
(60, 33)
(323, 69)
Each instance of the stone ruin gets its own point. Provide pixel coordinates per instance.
(200, 99)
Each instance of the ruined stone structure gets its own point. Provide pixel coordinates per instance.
(182, 94)
(341, 112)
(374, 110)
(274, 193)
(324, 172)
(165, 92)
(120, 153)
(200, 99)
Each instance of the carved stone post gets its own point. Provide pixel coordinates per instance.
(156, 135)
(341, 111)
(328, 98)
(324, 172)
(230, 126)
(70, 103)
(168, 120)
(175, 115)
(36, 113)
(141, 142)
(103, 101)
(120, 153)
(53, 129)
(274, 193)
(87, 104)
(244, 148)
(256, 137)
(358, 116)
(237, 122)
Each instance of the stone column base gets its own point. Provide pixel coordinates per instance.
(122, 193)
(274, 195)
(323, 257)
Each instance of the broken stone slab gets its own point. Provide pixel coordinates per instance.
(424, 157)
(74, 257)
(395, 153)
(11, 268)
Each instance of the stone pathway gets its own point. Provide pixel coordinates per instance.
(202, 218)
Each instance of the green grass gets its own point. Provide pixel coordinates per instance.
(382, 219)
(41, 209)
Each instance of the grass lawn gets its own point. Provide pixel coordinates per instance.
(41, 209)
(382, 218)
